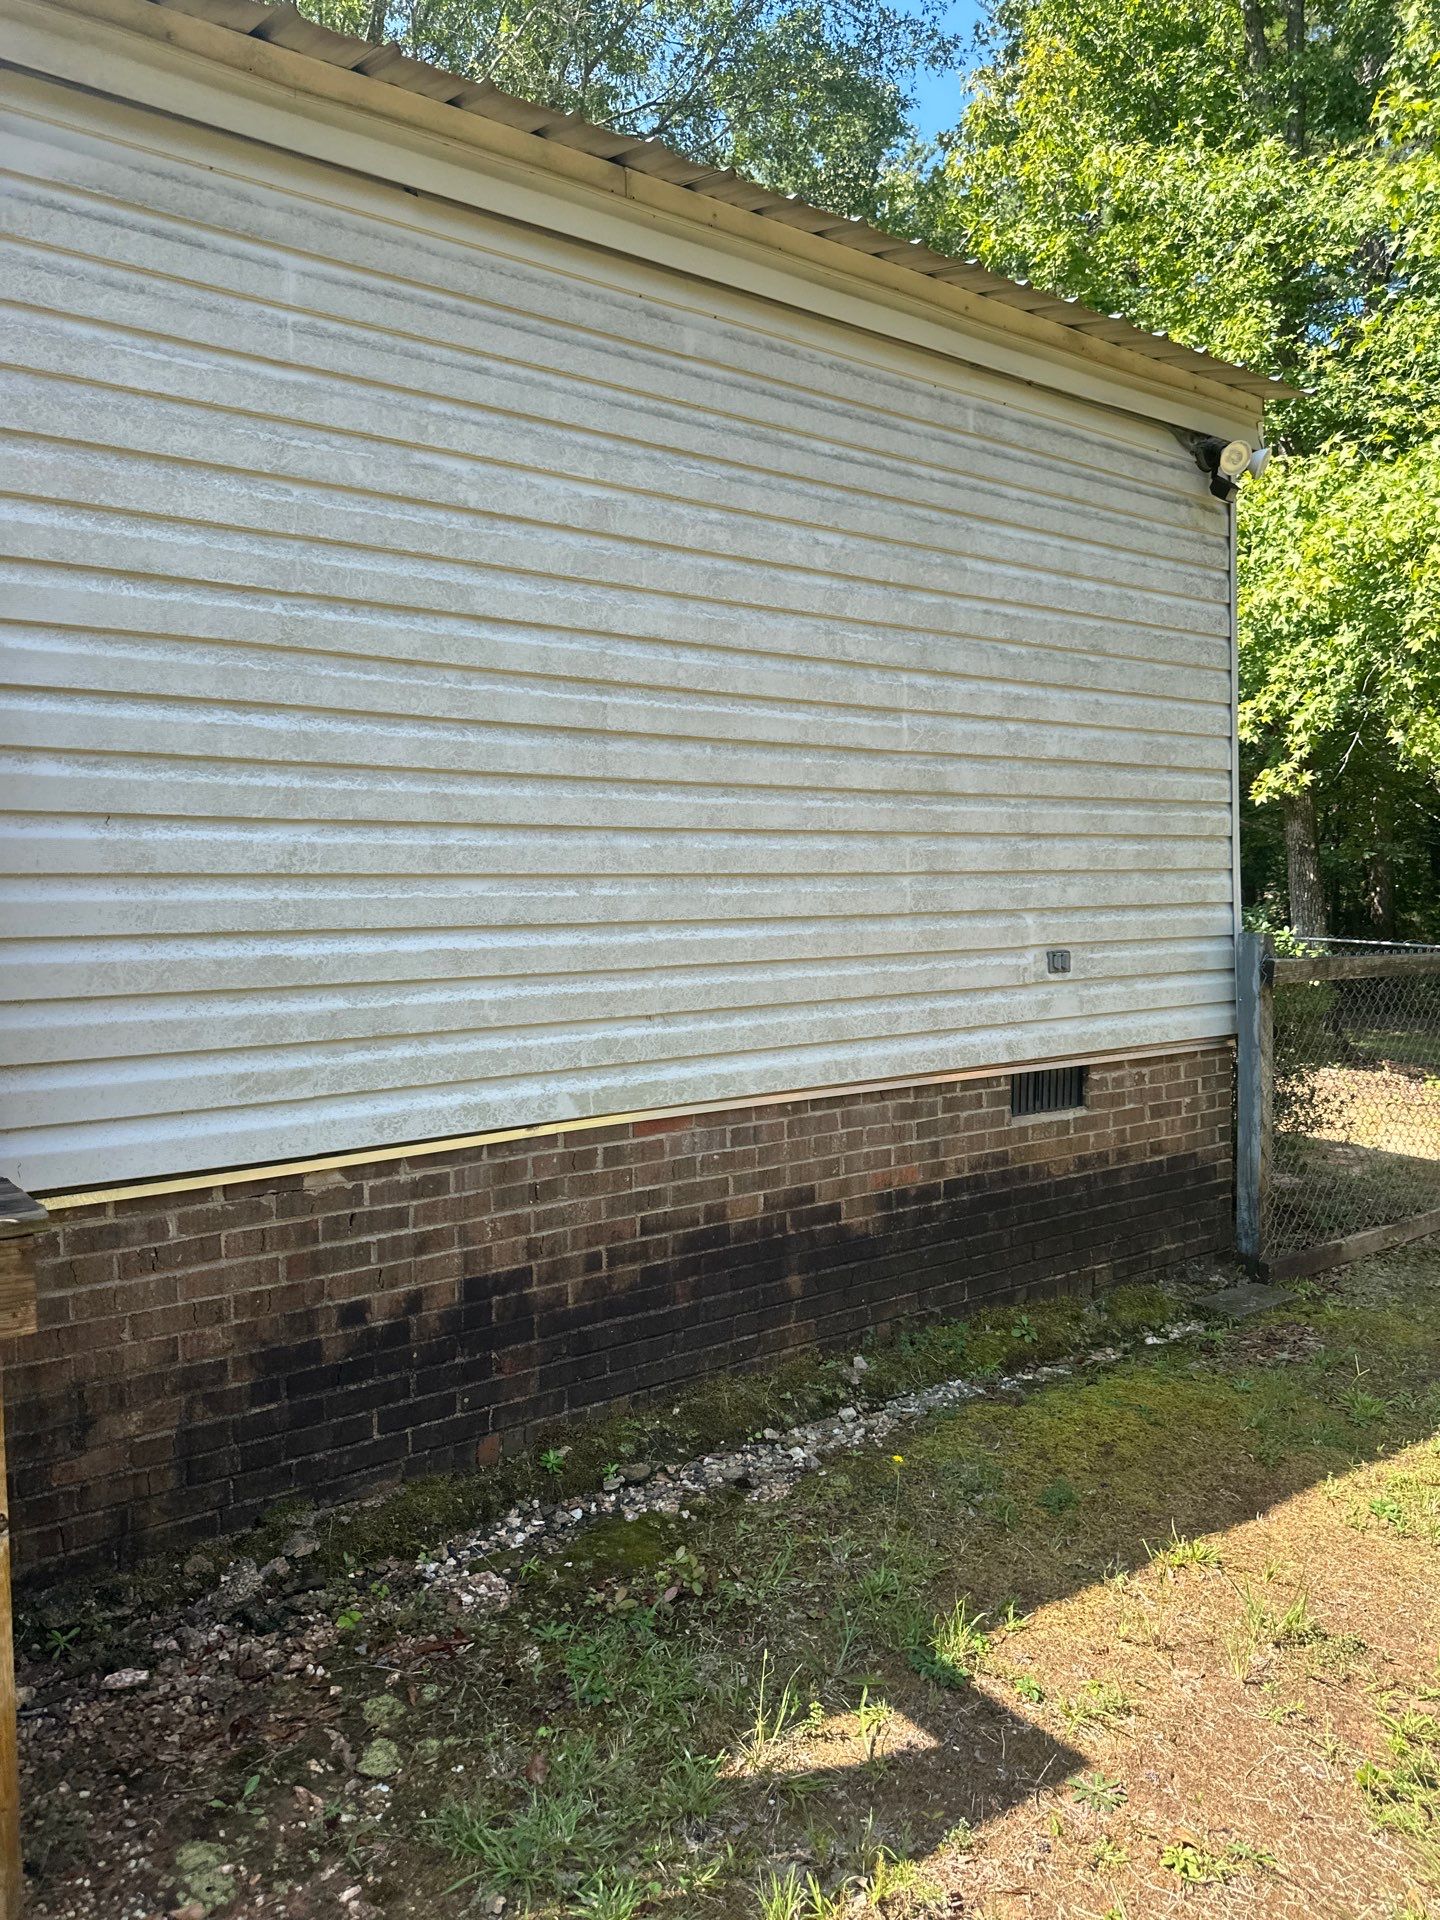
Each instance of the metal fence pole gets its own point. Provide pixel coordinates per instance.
(1254, 1091)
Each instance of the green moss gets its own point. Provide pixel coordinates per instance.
(412, 1519)
(1111, 1460)
(721, 1411)
(199, 1867)
(380, 1760)
(1126, 1313)
(619, 1549)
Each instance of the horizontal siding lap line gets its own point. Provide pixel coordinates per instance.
(547, 796)
(962, 976)
(1043, 855)
(353, 665)
(668, 466)
(479, 892)
(26, 801)
(105, 828)
(50, 525)
(1100, 519)
(915, 922)
(187, 926)
(415, 517)
(226, 544)
(1006, 742)
(105, 917)
(193, 592)
(246, 1072)
(164, 957)
(1097, 955)
(268, 253)
(555, 655)
(431, 897)
(902, 721)
(732, 588)
(67, 1001)
(198, 879)
(284, 1045)
(724, 987)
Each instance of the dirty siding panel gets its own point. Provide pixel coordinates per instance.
(455, 680)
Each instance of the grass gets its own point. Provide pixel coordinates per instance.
(1181, 1551)
(1197, 1865)
(1151, 1628)
(1403, 1788)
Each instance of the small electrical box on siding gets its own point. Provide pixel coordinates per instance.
(1057, 960)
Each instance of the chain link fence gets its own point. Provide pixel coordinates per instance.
(1343, 1068)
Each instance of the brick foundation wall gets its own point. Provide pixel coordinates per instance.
(204, 1354)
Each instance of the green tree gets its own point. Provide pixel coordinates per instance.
(1263, 180)
(807, 96)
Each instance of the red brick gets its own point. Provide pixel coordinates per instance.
(201, 1358)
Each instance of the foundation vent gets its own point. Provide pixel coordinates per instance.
(1051, 1090)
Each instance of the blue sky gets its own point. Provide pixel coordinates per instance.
(938, 95)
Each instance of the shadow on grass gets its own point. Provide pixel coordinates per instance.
(1322, 1189)
(1012, 1507)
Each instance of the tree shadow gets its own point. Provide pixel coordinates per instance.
(964, 1757)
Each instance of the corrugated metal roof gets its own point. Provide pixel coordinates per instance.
(283, 26)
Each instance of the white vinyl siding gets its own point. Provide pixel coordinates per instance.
(457, 679)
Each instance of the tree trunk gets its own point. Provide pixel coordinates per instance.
(1380, 873)
(1295, 50)
(1302, 862)
(1380, 894)
(1257, 46)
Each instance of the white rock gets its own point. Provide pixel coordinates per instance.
(124, 1677)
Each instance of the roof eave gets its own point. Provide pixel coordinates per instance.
(274, 41)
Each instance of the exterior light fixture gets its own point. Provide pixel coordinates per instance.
(1227, 462)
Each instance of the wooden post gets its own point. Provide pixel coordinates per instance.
(1254, 1092)
(21, 1218)
(12, 1869)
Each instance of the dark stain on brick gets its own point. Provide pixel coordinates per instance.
(940, 1205)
